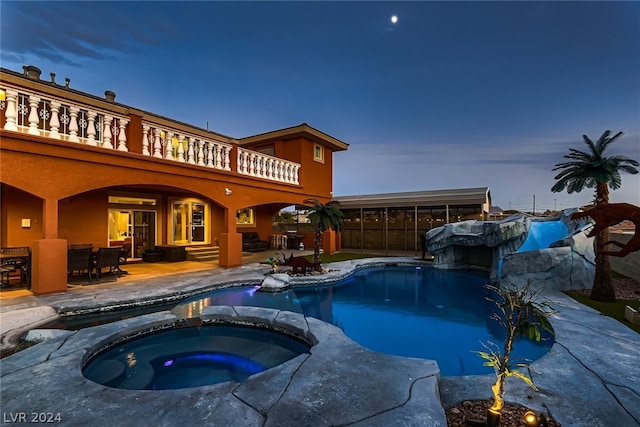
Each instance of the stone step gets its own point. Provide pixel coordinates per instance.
(203, 253)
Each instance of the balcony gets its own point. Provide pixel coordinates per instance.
(90, 123)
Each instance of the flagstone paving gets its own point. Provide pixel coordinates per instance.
(591, 377)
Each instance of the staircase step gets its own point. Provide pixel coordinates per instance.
(203, 253)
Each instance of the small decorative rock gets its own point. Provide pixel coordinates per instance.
(275, 283)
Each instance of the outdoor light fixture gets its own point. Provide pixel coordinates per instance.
(227, 191)
(533, 420)
(530, 419)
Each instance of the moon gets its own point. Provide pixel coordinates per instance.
(394, 19)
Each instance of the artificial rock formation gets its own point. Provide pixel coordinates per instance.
(493, 246)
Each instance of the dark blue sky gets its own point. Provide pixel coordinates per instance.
(455, 94)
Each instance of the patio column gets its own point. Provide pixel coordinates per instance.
(49, 255)
(330, 242)
(230, 242)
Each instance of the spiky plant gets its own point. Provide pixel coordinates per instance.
(522, 313)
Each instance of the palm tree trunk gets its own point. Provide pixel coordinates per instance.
(316, 248)
(602, 286)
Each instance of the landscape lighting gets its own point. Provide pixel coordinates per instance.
(530, 419)
(533, 420)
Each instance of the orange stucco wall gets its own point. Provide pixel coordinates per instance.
(83, 218)
(17, 205)
(316, 177)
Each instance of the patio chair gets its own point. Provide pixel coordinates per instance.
(125, 252)
(5, 273)
(110, 258)
(81, 246)
(79, 260)
(17, 259)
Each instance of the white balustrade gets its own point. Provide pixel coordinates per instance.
(91, 128)
(55, 120)
(33, 115)
(51, 117)
(73, 124)
(200, 152)
(185, 148)
(181, 148)
(145, 140)
(122, 134)
(168, 145)
(191, 154)
(157, 145)
(260, 165)
(106, 138)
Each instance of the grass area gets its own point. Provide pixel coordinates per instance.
(611, 309)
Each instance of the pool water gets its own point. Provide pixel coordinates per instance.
(192, 357)
(414, 312)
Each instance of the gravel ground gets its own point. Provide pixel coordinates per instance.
(625, 288)
(468, 411)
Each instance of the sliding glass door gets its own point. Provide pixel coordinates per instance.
(132, 226)
(190, 223)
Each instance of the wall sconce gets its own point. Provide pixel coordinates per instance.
(227, 191)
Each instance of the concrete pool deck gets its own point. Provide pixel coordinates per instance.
(590, 378)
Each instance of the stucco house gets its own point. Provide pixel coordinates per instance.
(78, 168)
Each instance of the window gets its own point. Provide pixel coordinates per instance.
(318, 153)
(245, 217)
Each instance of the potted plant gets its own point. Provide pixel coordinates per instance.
(522, 313)
(275, 262)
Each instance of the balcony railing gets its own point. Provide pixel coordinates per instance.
(168, 144)
(58, 119)
(260, 165)
(50, 117)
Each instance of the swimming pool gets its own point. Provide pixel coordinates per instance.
(405, 311)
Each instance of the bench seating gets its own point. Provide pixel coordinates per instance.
(251, 242)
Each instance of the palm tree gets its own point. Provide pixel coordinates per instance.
(592, 169)
(324, 217)
(522, 312)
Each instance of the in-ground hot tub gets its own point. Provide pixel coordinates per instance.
(192, 354)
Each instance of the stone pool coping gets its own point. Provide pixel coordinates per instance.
(591, 377)
(320, 388)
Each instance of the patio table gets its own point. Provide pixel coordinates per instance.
(12, 260)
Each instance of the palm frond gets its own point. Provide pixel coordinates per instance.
(588, 169)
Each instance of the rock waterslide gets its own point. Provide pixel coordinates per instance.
(555, 252)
